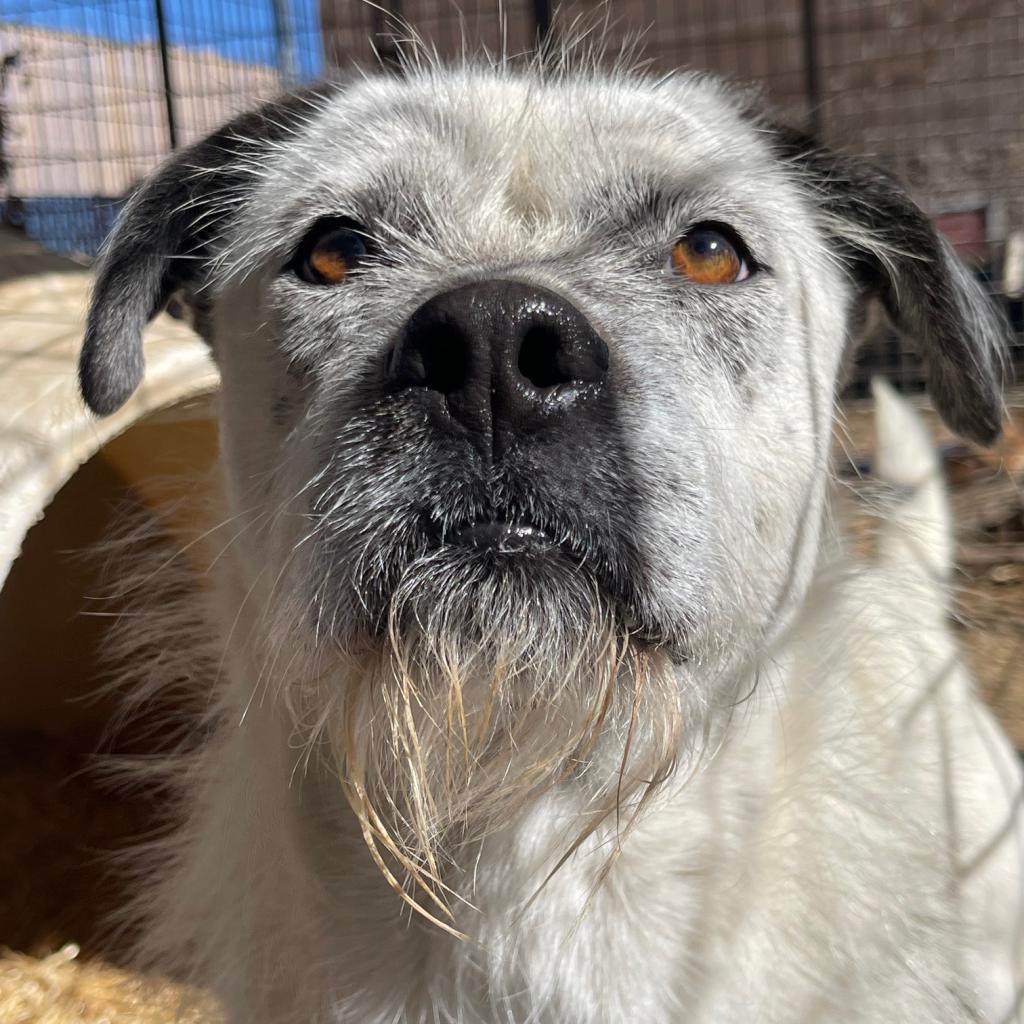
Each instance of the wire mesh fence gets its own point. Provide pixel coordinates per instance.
(94, 94)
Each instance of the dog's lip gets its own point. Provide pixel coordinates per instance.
(500, 535)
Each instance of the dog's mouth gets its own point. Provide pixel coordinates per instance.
(499, 535)
(502, 543)
(486, 550)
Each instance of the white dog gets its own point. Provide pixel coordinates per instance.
(536, 686)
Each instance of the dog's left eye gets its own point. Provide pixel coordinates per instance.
(331, 251)
(711, 254)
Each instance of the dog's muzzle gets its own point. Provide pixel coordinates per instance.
(497, 451)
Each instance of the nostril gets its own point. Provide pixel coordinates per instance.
(542, 359)
(444, 356)
(547, 359)
(433, 356)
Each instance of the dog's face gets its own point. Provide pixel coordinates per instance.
(526, 363)
(510, 329)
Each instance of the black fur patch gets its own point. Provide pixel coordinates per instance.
(160, 244)
(895, 254)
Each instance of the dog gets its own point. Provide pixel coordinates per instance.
(537, 686)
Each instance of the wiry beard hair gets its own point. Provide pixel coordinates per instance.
(497, 678)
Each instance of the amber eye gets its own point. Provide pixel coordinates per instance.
(708, 254)
(331, 251)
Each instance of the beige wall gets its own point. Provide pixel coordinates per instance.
(87, 119)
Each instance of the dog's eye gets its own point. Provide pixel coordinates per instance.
(711, 254)
(331, 251)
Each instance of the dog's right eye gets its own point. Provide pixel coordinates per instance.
(331, 251)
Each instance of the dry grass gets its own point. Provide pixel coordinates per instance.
(62, 989)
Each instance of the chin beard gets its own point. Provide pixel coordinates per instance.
(497, 677)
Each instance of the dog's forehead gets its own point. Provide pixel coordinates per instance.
(492, 118)
(520, 135)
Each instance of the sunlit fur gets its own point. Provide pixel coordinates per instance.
(690, 762)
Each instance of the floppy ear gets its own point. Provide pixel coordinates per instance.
(896, 255)
(162, 241)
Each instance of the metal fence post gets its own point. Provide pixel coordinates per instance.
(542, 19)
(165, 70)
(287, 57)
(812, 81)
(386, 16)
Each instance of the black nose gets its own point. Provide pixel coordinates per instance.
(505, 356)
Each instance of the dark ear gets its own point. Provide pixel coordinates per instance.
(896, 255)
(163, 240)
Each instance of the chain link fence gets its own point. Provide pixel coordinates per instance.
(94, 94)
